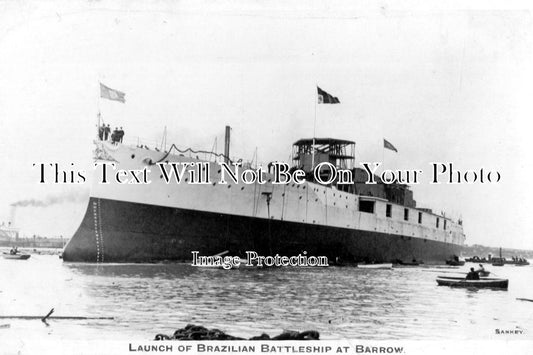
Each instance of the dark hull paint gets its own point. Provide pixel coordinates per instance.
(114, 231)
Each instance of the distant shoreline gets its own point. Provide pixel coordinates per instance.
(35, 250)
(484, 251)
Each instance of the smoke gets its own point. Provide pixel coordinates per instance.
(65, 197)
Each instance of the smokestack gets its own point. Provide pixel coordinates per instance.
(226, 144)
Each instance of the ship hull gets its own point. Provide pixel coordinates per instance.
(120, 231)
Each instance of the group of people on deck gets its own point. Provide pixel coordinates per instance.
(474, 274)
(104, 132)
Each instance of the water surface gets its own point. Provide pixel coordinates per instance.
(146, 299)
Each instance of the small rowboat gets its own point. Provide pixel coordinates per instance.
(410, 263)
(455, 262)
(16, 256)
(476, 259)
(461, 282)
(521, 263)
(375, 266)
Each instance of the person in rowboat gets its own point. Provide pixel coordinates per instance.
(472, 275)
(481, 269)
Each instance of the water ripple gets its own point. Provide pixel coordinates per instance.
(403, 303)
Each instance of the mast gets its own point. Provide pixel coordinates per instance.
(98, 115)
(164, 140)
(314, 135)
(226, 144)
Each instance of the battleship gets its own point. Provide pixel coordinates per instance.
(355, 222)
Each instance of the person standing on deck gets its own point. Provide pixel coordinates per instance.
(114, 136)
(120, 134)
(107, 131)
(101, 132)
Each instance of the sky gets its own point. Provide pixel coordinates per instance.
(442, 82)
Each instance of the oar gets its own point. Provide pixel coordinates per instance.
(46, 316)
(49, 316)
(445, 272)
(525, 299)
(54, 317)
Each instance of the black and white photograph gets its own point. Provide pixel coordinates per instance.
(266, 177)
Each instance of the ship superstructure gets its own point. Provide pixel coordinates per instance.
(167, 221)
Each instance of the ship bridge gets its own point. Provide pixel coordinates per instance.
(309, 152)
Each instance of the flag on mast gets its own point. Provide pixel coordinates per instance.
(325, 98)
(111, 94)
(388, 145)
